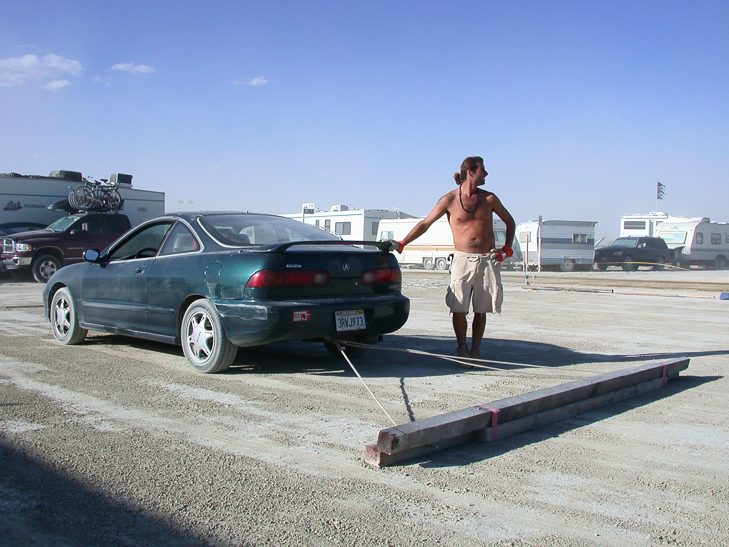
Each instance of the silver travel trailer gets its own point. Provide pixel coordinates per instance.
(24, 200)
(697, 242)
(563, 244)
(434, 249)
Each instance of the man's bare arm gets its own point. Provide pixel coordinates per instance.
(421, 227)
(504, 215)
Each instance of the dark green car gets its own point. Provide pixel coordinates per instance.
(215, 281)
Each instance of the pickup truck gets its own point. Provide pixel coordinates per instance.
(61, 243)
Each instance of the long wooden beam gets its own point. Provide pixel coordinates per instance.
(514, 415)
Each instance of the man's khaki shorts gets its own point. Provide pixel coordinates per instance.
(474, 278)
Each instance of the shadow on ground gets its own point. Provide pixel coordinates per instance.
(40, 506)
(392, 359)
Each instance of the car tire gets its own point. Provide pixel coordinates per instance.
(441, 264)
(351, 351)
(204, 343)
(428, 263)
(44, 267)
(601, 267)
(660, 264)
(628, 264)
(64, 319)
(567, 266)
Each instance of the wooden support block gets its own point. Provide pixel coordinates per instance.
(513, 415)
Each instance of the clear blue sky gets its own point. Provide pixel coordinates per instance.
(578, 107)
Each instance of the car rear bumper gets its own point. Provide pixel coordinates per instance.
(264, 322)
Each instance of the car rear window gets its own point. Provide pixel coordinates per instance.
(242, 230)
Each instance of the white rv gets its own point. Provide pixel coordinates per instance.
(697, 242)
(647, 224)
(24, 200)
(346, 221)
(434, 249)
(566, 244)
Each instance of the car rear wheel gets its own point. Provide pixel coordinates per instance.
(64, 321)
(660, 264)
(628, 264)
(204, 343)
(44, 267)
(353, 352)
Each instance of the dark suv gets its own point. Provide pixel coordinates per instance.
(631, 252)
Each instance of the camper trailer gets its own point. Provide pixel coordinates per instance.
(434, 249)
(24, 200)
(348, 222)
(563, 244)
(647, 224)
(698, 242)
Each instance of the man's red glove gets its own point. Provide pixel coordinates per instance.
(502, 254)
(396, 245)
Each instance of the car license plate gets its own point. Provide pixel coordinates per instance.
(349, 320)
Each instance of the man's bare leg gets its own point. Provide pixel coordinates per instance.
(477, 329)
(460, 324)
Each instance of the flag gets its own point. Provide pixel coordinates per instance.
(660, 191)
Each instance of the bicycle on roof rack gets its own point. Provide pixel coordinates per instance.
(96, 195)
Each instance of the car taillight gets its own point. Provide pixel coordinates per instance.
(289, 278)
(381, 276)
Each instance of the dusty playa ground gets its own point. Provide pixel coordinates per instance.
(119, 442)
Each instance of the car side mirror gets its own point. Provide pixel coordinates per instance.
(93, 256)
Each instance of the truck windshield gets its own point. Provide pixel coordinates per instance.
(625, 242)
(62, 224)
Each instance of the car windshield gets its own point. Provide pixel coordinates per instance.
(246, 229)
(625, 242)
(62, 223)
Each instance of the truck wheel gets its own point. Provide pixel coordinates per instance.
(720, 263)
(204, 343)
(428, 263)
(44, 267)
(567, 266)
(660, 264)
(628, 264)
(64, 320)
(441, 264)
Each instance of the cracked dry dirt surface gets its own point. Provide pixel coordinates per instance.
(119, 442)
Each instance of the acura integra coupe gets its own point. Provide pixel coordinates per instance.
(213, 282)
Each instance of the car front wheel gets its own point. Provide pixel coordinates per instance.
(44, 267)
(204, 343)
(628, 264)
(660, 264)
(64, 320)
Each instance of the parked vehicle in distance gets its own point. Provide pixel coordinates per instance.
(63, 242)
(215, 281)
(631, 252)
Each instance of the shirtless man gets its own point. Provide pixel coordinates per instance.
(475, 270)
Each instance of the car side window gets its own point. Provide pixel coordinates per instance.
(143, 243)
(180, 240)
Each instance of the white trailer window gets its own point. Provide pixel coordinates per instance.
(716, 239)
(579, 238)
(343, 228)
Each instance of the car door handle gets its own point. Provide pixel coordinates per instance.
(139, 271)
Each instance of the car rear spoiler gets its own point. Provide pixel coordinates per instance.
(280, 247)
